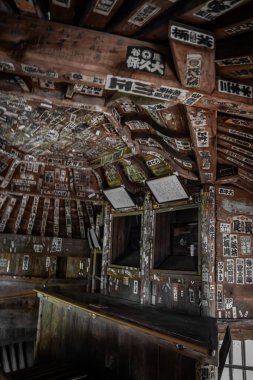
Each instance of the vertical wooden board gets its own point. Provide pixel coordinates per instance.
(143, 358)
(113, 350)
(231, 200)
(146, 250)
(98, 328)
(184, 368)
(45, 345)
(106, 248)
(208, 230)
(234, 251)
(124, 353)
(193, 55)
(78, 320)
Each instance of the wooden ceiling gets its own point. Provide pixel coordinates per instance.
(103, 93)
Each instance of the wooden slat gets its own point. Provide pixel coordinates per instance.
(98, 62)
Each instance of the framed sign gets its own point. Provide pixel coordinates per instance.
(119, 198)
(167, 189)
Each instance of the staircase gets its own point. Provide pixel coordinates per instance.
(17, 363)
(16, 356)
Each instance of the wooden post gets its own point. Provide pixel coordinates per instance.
(146, 250)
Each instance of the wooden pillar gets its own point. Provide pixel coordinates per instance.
(106, 248)
(208, 229)
(146, 250)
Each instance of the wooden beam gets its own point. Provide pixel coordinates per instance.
(58, 52)
(221, 100)
(24, 244)
(193, 54)
(43, 49)
(202, 125)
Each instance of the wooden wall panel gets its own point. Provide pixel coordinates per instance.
(234, 261)
(24, 244)
(102, 346)
(177, 292)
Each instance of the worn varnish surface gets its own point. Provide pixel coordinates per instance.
(111, 94)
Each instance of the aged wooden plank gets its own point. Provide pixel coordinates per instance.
(107, 57)
(234, 266)
(43, 245)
